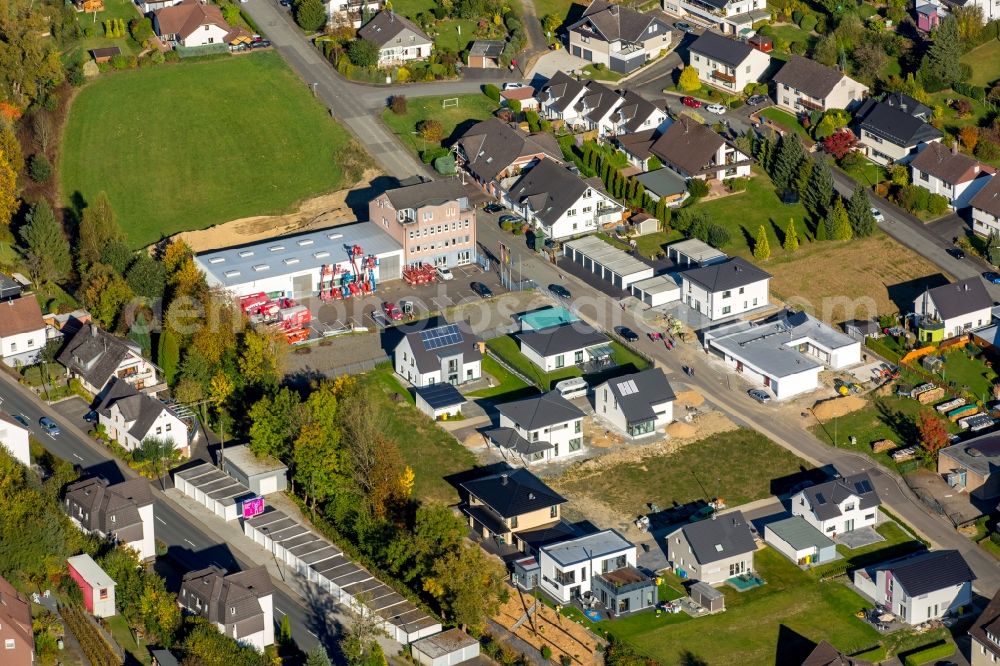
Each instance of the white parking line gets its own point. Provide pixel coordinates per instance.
(280, 611)
(190, 542)
(311, 634)
(162, 522)
(76, 456)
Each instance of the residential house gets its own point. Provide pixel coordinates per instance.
(494, 153)
(14, 438)
(784, 353)
(637, 148)
(893, 130)
(594, 110)
(731, 17)
(450, 353)
(637, 114)
(949, 173)
(151, 6)
(122, 512)
(432, 221)
(953, 309)
(95, 357)
(636, 404)
(800, 542)
(239, 604)
(972, 466)
(928, 15)
(727, 289)
(695, 150)
(539, 429)
(398, 39)
(712, 550)
(838, 506)
(727, 63)
(560, 204)
(15, 627)
(192, 23)
(562, 346)
(485, 54)
(985, 633)
(130, 417)
(525, 96)
(990, 9)
(617, 37)
(600, 565)
(694, 252)
(803, 85)
(986, 208)
(919, 588)
(825, 654)
(665, 184)
(95, 585)
(515, 508)
(559, 96)
(23, 334)
(349, 12)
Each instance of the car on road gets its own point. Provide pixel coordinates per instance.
(627, 333)
(957, 252)
(684, 27)
(717, 109)
(481, 290)
(513, 85)
(691, 101)
(444, 273)
(559, 291)
(22, 419)
(492, 208)
(877, 214)
(759, 395)
(49, 426)
(285, 3)
(510, 218)
(754, 100)
(992, 276)
(391, 311)
(90, 417)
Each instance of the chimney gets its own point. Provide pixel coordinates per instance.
(954, 148)
(93, 331)
(531, 496)
(503, 479)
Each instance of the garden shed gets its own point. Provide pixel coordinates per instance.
(446, 649)
(707, 597)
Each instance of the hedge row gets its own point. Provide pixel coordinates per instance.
(934, 652)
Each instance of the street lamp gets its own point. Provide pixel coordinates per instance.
(423, 141)
(267, 533)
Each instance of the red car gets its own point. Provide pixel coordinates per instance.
(691, 101)
(391, 311)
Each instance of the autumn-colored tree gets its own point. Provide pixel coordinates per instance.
(839, 144)
(430, 129)
(468, 584)
(174, 255)
(689, 80)
(406, 480)
(9, 202)
(933, 433)
(969, 136)
(105, 293)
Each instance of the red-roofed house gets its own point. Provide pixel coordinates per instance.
(15, 627)
(193, 23)
(950, 173)
(524, 95)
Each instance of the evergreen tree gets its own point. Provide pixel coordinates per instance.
(840, 223)
(822, 229)
(285, 631)
(942, 62)
(46, 245)
(791, 243)
(98, 230)
(168, 355)
(805, 173)
(761, 246)
(318, 657)
(819, 189)
(859, 211)
(993, 248)
(139, 334)
(787, 162)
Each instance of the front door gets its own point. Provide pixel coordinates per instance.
(574, 592)
(578, 357)
(848, 525)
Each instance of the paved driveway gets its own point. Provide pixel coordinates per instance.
(555, 61)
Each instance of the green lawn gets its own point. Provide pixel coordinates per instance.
(124, 9)
(985, 63)
(471, 108)
(454, 34)
(968, 374)
(410, 8)
(125, 638)
(505, 384)
(897, 543)
(787, 121)
(652, 244)
(603, 74)
(558, 7)
(430, 451)
(790, 33)
(191, 145)
(867, 172)
(737, 466)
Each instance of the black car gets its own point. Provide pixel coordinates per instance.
(684, 27)
(493, 208)
(559, 291)
(481, 290)
(510, 218)
(261, 44)
(627, 333)
(957, 252)
(754, 100)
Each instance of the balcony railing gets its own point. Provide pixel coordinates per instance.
(723, 76)
(809, 104)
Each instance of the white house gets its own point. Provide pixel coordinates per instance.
(192, 23)
(803, 85)
(986, 208)
(799, 541)
(636, 404)
(14, 438)
(949, 173)
(727, 63)
(921, 587)
(595, 109)
(565, 345)
(841, 505)
(695, 150)
(732, 17)
(620, 38)
(724, 290)
(559, 96)
(893, 130)
(712, 550)
(449, 353)
(540, 429)
(958, 307)
(95, 357)
(240, 605)
(349, 12)
(561, 204)
(123, 512)
(398, 39)
(23, 334)
(129, 417)
(637, 114)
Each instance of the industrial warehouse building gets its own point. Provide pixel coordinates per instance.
(606, 262)
(292, 266)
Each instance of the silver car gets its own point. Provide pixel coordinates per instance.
(760, 396)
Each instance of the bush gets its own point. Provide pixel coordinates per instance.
(937, 204)
(808, 22)
(430, 129)
(439, 12)
(397, 103)
(987, 150)
(546, 652)
(797, 16)
(39, 168)
(492, 92)
(698, 188)
(939, 650)
(445, 165)
(431, 154)
(531, 117)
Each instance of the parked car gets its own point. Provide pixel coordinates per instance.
(759, 395)
(754, 100)
(90, 417)
(49, 426)
(285, 3)
(559, 291)
(627, 333)
(23, 420)
(717, 109)
(493, 208)
(513, 85)
(481, 290)
(510, 218)
(877, 214)
(957, 252)
(391, 311)
(992, 276)
(691, 101)
(262, 44)
(444, 273)
(684, 27)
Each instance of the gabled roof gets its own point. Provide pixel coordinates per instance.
(487, 48)
(960, 298)
(562, 339)
(928, 572)
(688, 146)
(809, 77)
(908, 104)
(513, 493)
(226, 599)
(20, 315)
(429, 346)
(95, 354)
(722, 49)
(616, 22)
(825, 654)
(988, 198)
(431, 193)
(731, 274)
(719, 537)
(386, 26)
(894, 124)
(508, 438)
(588, 548)
(549, 189)
(824, 499)
(492, 145)
(15, 617)
(950, 166)
(138, 408)
(184, 18)
(111, 509)
(560, 91)
(639, 392)
(634, 111)
(546, 410)
(597, 101)
(987, 625)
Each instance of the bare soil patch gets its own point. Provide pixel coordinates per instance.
(547, 627)
(836, 407)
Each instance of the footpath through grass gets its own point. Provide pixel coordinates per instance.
(190, 145)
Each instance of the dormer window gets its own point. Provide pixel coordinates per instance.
(232, 610)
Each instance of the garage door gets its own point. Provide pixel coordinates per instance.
(389, 268)
(302, 286)
(268, 485)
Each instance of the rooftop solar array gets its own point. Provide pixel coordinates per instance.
(863, 486)
(442, 336)
(627, 388)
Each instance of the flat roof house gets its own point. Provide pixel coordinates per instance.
(447, 648)
(838, 506)
(565, 345)
(921, 587)
(695, 150)
(665, 184)
(122, 512)
(95, 357)
(726, 63)
(799, 541)
(953, 309)
(986, 208)
(712, 550)
(972, 465)
(15, 627)
(694, 252)
(239, 604)
(949, 173)
(97, 587)
(803, 85)
(439, 401)
(892, 131)
(985, 633)
(538, 429)
(398, 39)
(492, 152)
(620, 38)
(130, 417)
(636, 404)
(725, 289)
(449, 353)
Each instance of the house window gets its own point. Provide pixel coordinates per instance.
(9, 643)
(923, 175)
(741, 290)
(831, 528)
(31, 343)
(103, 594)
(575, 444)
(13, 346)
(159, 430)
(587, 209)
(571, 212)
(849, 507)
(513, 523)
(553, 512)
(869, 516)
(736, 568)
(560, 361)
(727, 309)
(727, 293)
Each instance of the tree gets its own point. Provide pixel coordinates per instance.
(468, 583)
(838, 224)
(274, 423)
(397, 103)
(168, 355)
(139, 333)
(430, 130)
(311, 16)
(515, 107)
(942, 62)
(787, 162)
(969, 136)
(39, 168)
(10, 147)
(153, 453)
(698, 188)
(840, 144)
(761, 246)
(318, 657)
(105, 293)
(818, 191)
(98, 228)
(361, 52)
(285, 631)
(993, 247)
(551, 23)
(869, 60)
(859, 211)
(933, 433)
(47, 248)
(260, 363)
(147, 277)
(9, 202)
(791, 242)
(492, 92)
(375, 462)
(689, 81)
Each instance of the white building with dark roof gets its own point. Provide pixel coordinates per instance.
(495, 153)
(96, 357)
(986, 208)
(239, 605)
(838, 506)
(122, 512)
(726, 289)
(398, 39)
(637, 404)
(450, 353)
(958, 307)
(731, 17)
(712, 550)
(23, 333)
(618, 37)
(947, 172)
(726, 63)
(892, 131)
(695, 150)
(14, 438)
(130, 417)
(803, 85)
(563, 346)
(539, 429)
(919, 588)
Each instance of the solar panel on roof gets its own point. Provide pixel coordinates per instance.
(863, 486)
(441, 336)
(627, 387)
(820, 499)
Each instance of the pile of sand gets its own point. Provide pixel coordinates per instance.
(828, 409)
(681, 430)
(689, 398)
(473, 440)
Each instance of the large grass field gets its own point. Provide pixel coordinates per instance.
(191, 145)
(471, 108)
(985, 63)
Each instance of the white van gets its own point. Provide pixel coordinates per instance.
(576, 387)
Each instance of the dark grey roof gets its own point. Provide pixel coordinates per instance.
(227, 599)
(936, 570)
(440, 395)
(431, 193)
(547, 534)
(824, 498)
(95, 354)
(141, 408)
(722, 49)
(732, 274)
(809, 76)
(637, 393)
(909, 105)
(386, 26)
(429, 360)
(550, 189)
(960, 298)
(616, 22)
(663, 182)
(987, 625)
(597, 102)
(988, 198)
(164, 657)
(825, 654)
(508, 438)
(688, 146)
(948, 165)
(719, 537)
(894, 125)
(542, 411)
(638, 143)
(492, 145)
(111, 509)
(513, 493)
(561, 90)
(562, 339)
(487, 48)
(634, 111)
